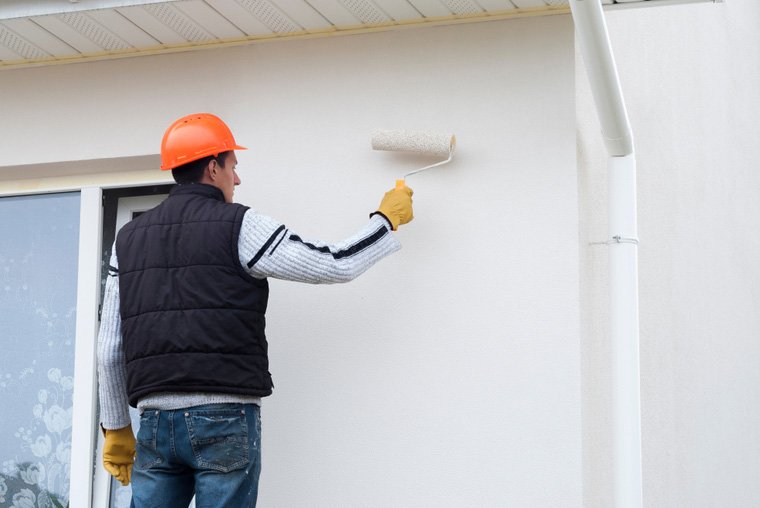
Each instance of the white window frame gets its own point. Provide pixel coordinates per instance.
(85, 338)
(84, 425)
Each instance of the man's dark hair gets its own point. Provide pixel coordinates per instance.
(192, 172)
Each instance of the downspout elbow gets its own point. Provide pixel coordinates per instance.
(594, 43)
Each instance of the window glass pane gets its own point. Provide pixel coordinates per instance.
(39, 243)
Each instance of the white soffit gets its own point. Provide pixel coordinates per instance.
(42, 32)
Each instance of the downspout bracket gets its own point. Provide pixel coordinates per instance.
(618, 239)
(623, 239)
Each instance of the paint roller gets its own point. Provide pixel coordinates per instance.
(428, 143)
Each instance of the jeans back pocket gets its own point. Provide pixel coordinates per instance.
(147, 455)
(219, 438)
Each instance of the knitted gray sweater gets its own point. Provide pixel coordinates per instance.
(286, 257)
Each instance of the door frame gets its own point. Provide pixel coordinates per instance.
(84, 420)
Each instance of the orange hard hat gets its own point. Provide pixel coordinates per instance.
(194, 137)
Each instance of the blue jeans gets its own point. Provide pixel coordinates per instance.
(211, 451)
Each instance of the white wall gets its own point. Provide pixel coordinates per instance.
(690, 75)
(449, 375)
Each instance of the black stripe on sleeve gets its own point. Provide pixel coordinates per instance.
(264, 247)
(355, 248)
(113, 272)
(278, 243)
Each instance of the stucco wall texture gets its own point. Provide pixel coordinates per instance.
(449, 375)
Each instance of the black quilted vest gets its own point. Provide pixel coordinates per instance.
(192, 319)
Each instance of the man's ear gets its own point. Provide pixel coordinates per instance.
(212, 169)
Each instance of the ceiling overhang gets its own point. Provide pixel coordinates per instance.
(44, 32)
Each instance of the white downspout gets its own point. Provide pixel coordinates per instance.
(593, 40)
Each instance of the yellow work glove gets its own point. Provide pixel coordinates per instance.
(396, 206)
(119, 453)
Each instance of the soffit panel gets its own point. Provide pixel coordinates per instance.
(58, 31)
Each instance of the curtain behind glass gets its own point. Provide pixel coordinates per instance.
(39, 240)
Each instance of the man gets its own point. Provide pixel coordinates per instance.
(182, 329)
